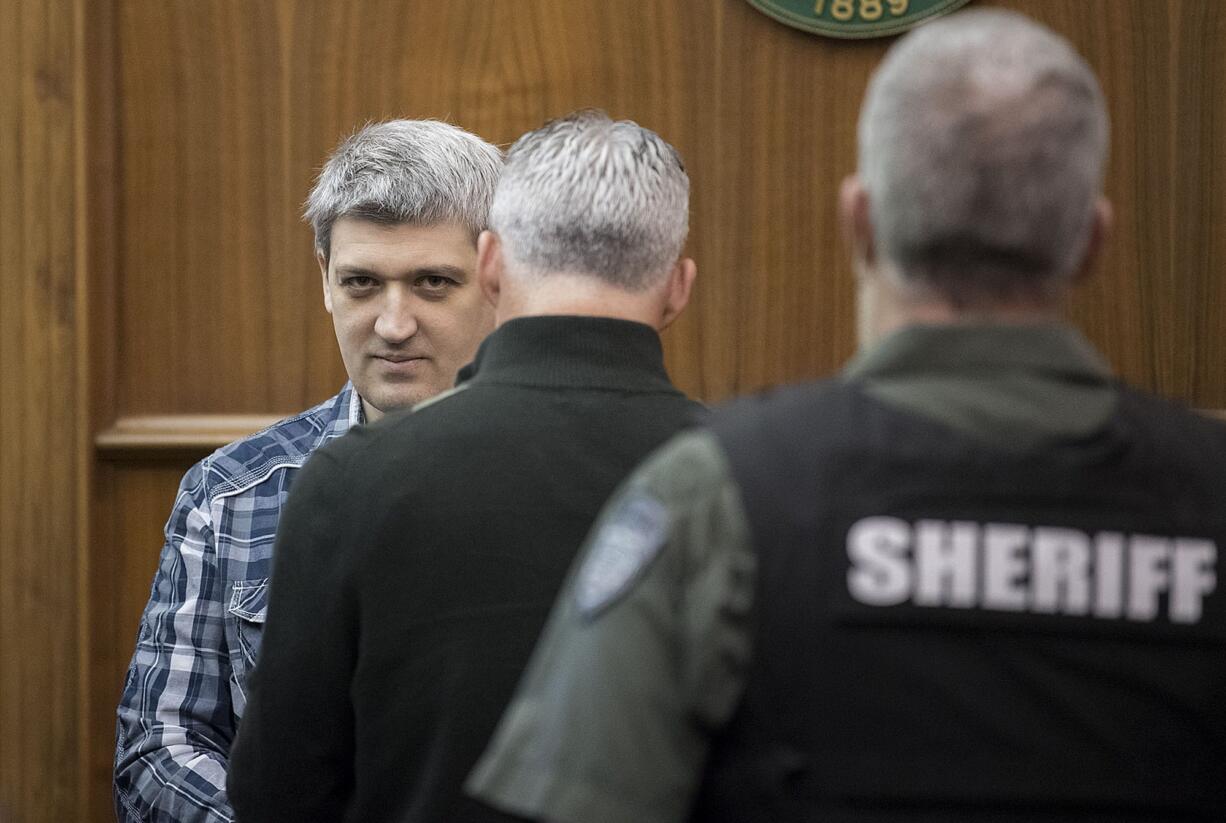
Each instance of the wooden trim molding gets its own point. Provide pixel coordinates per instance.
(176, 435)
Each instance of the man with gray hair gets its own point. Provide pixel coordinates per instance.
(971, 579)
(426, 551)
(396, 212)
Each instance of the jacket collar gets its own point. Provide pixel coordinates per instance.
(571, 351)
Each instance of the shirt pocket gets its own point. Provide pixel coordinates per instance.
(246, 614)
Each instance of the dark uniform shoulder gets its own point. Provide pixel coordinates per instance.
(1173, 422)
(778, 432)
(765, 408)
(833, 416)
(1181, 448)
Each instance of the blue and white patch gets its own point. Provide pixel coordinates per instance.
(628, 540)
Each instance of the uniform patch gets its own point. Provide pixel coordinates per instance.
(629, 539)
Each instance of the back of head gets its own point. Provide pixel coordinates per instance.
(982, 142)
(421, 172)
(586, 195)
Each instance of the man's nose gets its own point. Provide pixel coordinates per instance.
(397, 320)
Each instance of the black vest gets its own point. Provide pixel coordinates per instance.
(946, 630)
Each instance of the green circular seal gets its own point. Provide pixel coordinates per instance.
(855, 18)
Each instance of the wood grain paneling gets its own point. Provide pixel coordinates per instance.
(199, 127)
(231, 106)
(1154, 305)
(40, 460)
(132, 501)
(175, 436)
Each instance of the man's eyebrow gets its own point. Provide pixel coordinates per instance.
(451, 271)
(421, 271)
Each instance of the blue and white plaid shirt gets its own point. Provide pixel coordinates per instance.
(200, 632)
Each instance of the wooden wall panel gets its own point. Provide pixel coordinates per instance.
(1155, 302)
(231, 106)
(41, 463)
(131, 503)
(206, 121)
(1198, 152)
(252, 103)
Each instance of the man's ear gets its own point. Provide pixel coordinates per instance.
(490, 265)
(855, 220)
(677, 294)
(323, 270)
(1101, 225)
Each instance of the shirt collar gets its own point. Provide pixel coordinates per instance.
(347, 410)
(1051, 348)
(1021, 387)
(571, 351)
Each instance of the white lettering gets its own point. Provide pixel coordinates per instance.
(945, 566)
(1004, 567)
(1044, 569)
(1108, 574)
(881, 573)
(1147, 575)
(1060, 578)
(1195, 577)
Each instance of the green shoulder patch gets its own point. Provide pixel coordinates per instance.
(855, 18)
(626, 543)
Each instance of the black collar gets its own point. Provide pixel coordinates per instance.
(571, 351)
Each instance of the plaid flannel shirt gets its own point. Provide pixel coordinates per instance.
(186, 687)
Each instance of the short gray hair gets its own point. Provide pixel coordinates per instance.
(982, 143)
(421, 172)
(589, 195)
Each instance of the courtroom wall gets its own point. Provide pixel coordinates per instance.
(44, 452)
(159, 292)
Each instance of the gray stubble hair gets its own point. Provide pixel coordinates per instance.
(982, 142)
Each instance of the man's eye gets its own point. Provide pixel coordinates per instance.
(435, 282)
(358, 282)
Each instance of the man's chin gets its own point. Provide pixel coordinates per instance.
(385, 402)
(397, 404)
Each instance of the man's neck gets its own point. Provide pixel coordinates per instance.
(369, 413)
(577, 295)
(885, 308)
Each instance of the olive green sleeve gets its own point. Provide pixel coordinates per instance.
(643, 657)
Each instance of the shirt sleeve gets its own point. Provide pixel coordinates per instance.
(643, 658)
(293, 759)
(175, 722)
